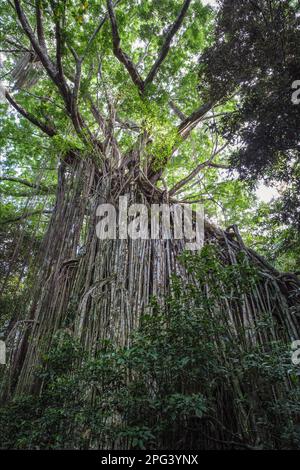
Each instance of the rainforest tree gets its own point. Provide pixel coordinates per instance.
(149, 99)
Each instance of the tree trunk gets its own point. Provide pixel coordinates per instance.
(100, 291)
(97, 292)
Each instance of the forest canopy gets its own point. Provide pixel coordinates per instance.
(240, 62)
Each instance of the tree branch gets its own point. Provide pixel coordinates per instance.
(167, 43)
(96, 31)
(52, 71)
(97, 115)
(77, 77)
(207, 163)
(43, 56)
(193, 119)
(25, 216)
(50, 131)
(119, 53)
(188, 178)
(58, 40)
(39, 24)
(219, 165)
(27, 183)
(177, 111)
(184, 130)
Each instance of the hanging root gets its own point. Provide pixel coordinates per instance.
(101, 292)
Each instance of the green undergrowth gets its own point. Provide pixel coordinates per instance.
(188, 380)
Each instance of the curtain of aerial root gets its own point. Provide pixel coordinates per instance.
(98, 289)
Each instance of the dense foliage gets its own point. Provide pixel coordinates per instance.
(254, 60)
(248, 63)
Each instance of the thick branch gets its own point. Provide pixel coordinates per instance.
(58, 39)
(193, 119)
(219, 165)
(167, 42)
(43, 56)
(95, 32)
(119, 53)
(41, 125)
(27, 183)
(52, 71)
(39, 24)
(177, 111)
